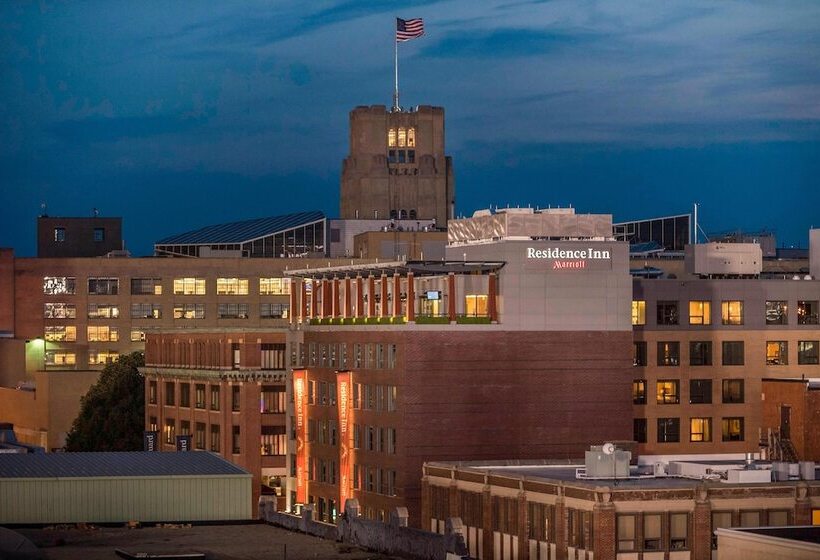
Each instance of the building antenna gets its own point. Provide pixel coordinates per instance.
(697, 226)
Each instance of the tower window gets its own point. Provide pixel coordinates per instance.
(411, 137)
(59, 234)
(402, 137)
(99, 234)
(402, 156)
(391, 138)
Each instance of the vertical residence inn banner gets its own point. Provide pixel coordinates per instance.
(300, 403)
(343, 390)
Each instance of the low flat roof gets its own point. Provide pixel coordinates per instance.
(114, 464)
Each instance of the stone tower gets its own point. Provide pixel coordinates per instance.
(397, 167)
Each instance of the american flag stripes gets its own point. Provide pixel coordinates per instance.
(407, 29)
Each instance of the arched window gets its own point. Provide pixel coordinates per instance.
(391, 138)
(402, 214)
(413, 214)
(411, 137)
(402, 137)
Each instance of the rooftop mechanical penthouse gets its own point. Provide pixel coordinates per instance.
(489, 353)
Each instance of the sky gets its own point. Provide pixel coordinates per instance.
(177, 115)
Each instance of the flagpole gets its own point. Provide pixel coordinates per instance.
(396, 70)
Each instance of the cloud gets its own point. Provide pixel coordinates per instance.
(502, 43)
(96, 129)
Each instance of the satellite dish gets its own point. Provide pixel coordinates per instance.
(608, 448)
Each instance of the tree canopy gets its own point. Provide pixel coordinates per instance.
(112, 413)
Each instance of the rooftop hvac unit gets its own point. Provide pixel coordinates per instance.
(605, 461)
(659, 469)
(807, 470)
(780, 471)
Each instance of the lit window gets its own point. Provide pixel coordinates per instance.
(402, 137)
(807, 312)
(668, 391)
(61, 333)
(103, 333)
(411, 137)
(232, 286)
(668, 353)
(274, 286)
(731, 312)
(103, 311)
(638, 312)
(639, 391)
(700, 429)
(101, 357)
(391, 138)
(777, 353)
(60, 311)
(137, 335)
(732, 429)
(189, 311)
(60, 358)
(777, 313)
(626, 532)
(475, 305)
(189, 286)
(700, 313)
(169, 430)
(57, 285)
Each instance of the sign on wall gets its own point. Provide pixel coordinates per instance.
(567, 258)
(300, 404)
(344, 387)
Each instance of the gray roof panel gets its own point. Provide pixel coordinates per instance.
(114, 464)
(239, 232)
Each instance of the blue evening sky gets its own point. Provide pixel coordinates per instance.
(176, 115)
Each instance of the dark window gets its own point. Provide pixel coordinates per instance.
(700, 353)
(413, 214)
(200, 396)
(152, 392)
(732, 429)
(235, 441)
(732, 390)
(235, 398)
(99, 234)
(639, 391)
(199, 435)
(668, 353)
(777, 313)
(668, 430)
(807, 352)
(700, 391)
(170, 393)
(391, 156)
(411, 158)
(103, 286)
(215, 439)
(215, 398)
(639, 356)
(807, 312)
(402, 156)
(335, 235)
(59, 234)
(185, 394)
(639, 430)
(668, 313)
(651, 531)
(733, 353)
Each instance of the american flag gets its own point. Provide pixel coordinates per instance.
(407, 29)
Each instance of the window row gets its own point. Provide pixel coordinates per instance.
(700, 429)
(401, 137)
(94, 333)
(62, 358)
(335, 355)
(57, 285)
(200, 390)
(732, 353)
(776, 312)
(223, 311)
(374, 438)
(656, 528)
(667, 391)
(365, 396)
(199, 434)
(97, 236)
(374, 479)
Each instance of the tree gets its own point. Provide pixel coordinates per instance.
(112, 413)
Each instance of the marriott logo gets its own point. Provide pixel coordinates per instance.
(556, 253)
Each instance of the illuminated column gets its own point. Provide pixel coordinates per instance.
(327, 297)
(348, 298)
(411, 297)
(314, 300)
(371, 296)
(396, 295)
(385, 310)
(451, 297)
(343, 391)
(336, 297)
(300, 382)
(491, 303)
(360, 296)
(304, 301)
(293, 304)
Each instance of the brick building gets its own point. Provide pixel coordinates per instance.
(78, 237)
(506, 347)
(791, 412)
(228, 391)
(539, 511)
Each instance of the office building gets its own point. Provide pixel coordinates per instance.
(78, 237)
